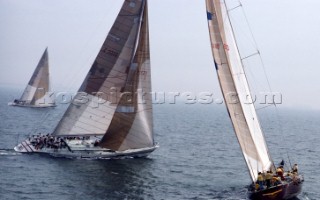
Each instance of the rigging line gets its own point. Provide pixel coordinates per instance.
(231, 9)
(245, 74)
(84, 65)
(257, 53)
(235, 40)
(246, 65)
(289, 160)
(262, 63)
(256, 45)
(264, 107)
(251, 73)
(228, 18)
(44, 116)
(281, 133)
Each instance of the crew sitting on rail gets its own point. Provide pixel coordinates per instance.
(280, 172)
(260, 180)
(48, 141)
(268, 178)
(276, 180)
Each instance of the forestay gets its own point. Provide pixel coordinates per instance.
(235, 89)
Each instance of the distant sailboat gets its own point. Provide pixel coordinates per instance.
(111, 116)
(235, 89)
(37, 92)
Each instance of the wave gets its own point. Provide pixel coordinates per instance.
(8, 152)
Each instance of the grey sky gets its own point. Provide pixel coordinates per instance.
(287, 33)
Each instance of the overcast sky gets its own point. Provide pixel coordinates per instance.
(287, 33)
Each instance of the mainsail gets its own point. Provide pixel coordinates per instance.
(114, 100)
(36, 94)
(235, 89)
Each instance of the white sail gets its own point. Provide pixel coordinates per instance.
(235, 89)
(37, 92)
(121, 69)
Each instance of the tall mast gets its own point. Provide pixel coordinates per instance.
(235, 89)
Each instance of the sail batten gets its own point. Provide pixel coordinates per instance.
(235, 89)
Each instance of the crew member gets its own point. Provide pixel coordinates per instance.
(268, 179)
(280, 173)
(295, 168)
(260, 180)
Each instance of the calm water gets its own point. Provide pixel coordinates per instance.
(198, 158)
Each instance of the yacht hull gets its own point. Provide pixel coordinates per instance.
(31, 106)
(284, 191)
(84, 151)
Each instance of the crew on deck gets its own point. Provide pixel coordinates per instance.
(295, 168)
(269, 179)
(260, 180)
(280, 172)
(47, 141)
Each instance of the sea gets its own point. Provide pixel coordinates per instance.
(198, 158)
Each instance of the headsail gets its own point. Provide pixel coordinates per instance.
(235, 89)
(108, 100)
(131, 126)
(37, 91)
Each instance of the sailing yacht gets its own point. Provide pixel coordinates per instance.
(37, 92)
(235, 89)
(111, 115)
